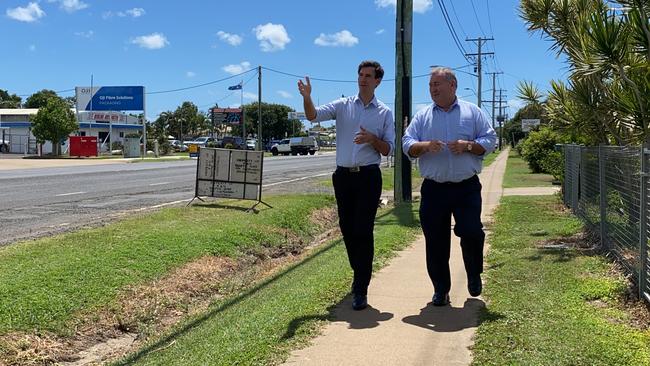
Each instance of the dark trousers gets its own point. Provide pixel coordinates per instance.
(357, 197)
(438, 202)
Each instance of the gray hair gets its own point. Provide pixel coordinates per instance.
(446, 72)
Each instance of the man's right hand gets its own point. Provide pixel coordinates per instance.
(435, 146)
(304, 89)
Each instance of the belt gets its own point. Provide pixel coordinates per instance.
(472, 178)
(357, 169)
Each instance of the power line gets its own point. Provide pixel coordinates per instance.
(476, 16)
(450, 26)
(453, 9)
(200, 85)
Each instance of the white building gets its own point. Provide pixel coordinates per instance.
(16, 129)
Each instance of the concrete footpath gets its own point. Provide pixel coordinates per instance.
(401, 327)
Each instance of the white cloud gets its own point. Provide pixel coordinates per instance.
(237, 69)
(339, 39)
(251, 96)
(88, 34)
(135, 12)
(152, 41)
(190, 74)
(285, 94)
(272, 37)
(232, 39)
(419, 6)
(379, 31)
(73, 5)
(31, 13)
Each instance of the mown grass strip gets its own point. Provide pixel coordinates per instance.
(518, 174)
(44, 282)
(261, 325)
(553, 305)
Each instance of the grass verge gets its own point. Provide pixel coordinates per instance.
(261, 325)
(550, 303)
(518, 174)
(44, 282)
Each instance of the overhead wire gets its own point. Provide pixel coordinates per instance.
(200, 85)
(450, 26)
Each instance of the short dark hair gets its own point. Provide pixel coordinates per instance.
(379, 71)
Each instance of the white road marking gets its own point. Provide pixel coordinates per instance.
(69, 194)
(295, 180)
(161, 183)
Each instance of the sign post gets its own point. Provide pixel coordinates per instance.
(527, 124)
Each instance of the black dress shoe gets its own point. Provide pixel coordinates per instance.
(474, 285)
(359, 302)
(440, 299)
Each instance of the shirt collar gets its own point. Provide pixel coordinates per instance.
(373, 101)
(453, 105)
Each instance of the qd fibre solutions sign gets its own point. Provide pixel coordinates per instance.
(110, 98)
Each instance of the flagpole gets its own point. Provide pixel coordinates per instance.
(241, 105)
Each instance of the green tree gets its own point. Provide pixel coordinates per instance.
(39, 99)
(54, 122)
(9, 100)
(275, 124)
(606, 98)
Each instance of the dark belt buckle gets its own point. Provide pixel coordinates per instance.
(355, 169)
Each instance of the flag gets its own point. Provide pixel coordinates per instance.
(235, 87)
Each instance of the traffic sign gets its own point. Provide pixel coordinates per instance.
(296, 115)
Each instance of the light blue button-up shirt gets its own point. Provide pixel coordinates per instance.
(463, 121)
(350, 113)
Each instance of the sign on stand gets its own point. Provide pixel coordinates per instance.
(226, 173)
(528, 124)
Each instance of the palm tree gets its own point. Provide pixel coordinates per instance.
(607, 94)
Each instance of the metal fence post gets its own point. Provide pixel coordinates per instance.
(643, 240)
(603, 196)
(577, 155)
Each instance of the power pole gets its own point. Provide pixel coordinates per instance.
(493, 101)
(479, 42)
(500, 119)
(403, 47)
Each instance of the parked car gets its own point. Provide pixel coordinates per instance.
(233, 142)
(251, 144)
(4, 146)
(270, 144)
(177, 146)
(202, 141)
(295, 146)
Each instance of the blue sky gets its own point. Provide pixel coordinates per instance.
(167, 45)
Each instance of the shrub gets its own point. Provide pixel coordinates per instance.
(537, 146)
(553, 164)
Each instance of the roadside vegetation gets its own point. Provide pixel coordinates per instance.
(518, 174)
(550, 299)
(257, 283)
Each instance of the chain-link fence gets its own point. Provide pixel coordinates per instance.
(607, 187)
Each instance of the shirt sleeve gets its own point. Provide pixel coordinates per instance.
(327, 111)
(412, 134)
(486, 136)
(389, 131)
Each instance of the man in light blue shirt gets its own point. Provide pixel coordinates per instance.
(450, 138)
(365, 130)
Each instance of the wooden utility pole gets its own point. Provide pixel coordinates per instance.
(494, 101)
(479, 59)
(403, 47)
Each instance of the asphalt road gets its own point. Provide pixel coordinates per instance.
(45, 201)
